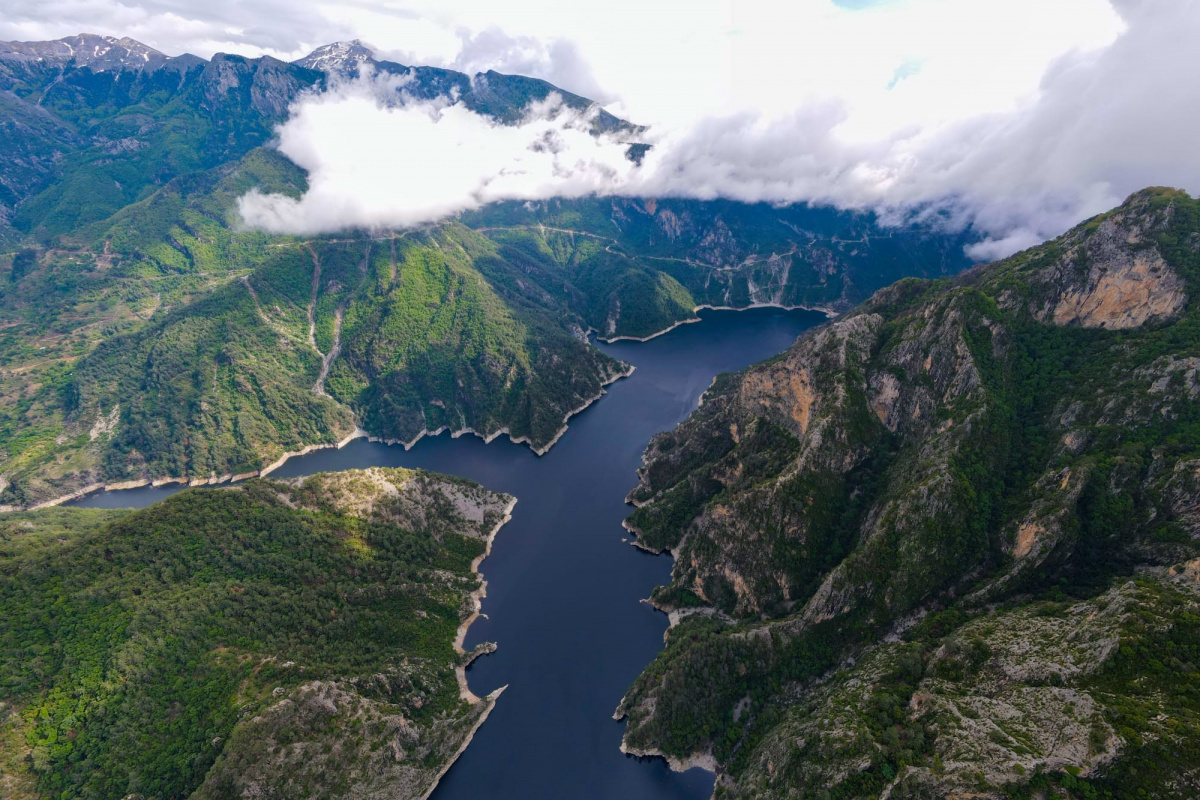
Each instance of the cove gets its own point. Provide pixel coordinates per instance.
(564, 591)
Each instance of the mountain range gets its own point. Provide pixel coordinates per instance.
(945, 545)
(147, 335)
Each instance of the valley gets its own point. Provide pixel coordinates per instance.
(210, 346)
(564, 592)
(933, 525)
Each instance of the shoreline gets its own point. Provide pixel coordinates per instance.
(357, 433)
(476, 600)
(664, 331)
(483, 705)
(462, 748)
(700, 760)
(703, 760)
(460, 671)
(212, 480)
(491, 437)
(828, 311)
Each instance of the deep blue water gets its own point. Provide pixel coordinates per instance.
(564, 591)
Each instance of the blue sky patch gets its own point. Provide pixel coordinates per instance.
(905, 70)
(861, 5)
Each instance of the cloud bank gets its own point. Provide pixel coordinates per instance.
(1019, 117)
(378, 159)
(1101, 124)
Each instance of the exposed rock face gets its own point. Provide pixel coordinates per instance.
(831, 394)
(984, 709)
(398, 758)
(1123, 296)
(1183, 495)
(954, 446)
(1114, 277)
(407, 498)
(263, 86)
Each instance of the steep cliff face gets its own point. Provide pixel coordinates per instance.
(1112, 275)
(843, 402)
(963, 446)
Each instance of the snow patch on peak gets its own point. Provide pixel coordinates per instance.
(337, 56)
(98, 53)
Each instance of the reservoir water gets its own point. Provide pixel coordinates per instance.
(564, 591)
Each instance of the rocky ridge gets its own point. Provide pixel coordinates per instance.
(951, 448)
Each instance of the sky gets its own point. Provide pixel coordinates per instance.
(1020, 117)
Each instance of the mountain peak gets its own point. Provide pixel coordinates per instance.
(1111, 273)
(337, 56)
(91, 50)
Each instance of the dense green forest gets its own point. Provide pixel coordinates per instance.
(932, 547)
(226, 637)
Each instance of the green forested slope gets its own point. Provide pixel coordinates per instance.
(440, 336)
(398, 334)
(1011, 455)
(234, 637)
(725, 253)
(144, 334)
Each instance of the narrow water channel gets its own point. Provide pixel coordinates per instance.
(564, 591)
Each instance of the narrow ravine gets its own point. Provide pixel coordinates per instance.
(328, 358)
(312, 300)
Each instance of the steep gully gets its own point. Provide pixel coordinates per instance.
(563, 589)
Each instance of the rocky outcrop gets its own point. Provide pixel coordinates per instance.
(1003, 699)
(833, 398)
(407, 498)
(954, 451)
(397, 757)
(260, 86)
(1113, 276)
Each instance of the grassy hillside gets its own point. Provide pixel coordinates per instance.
(294, 636)
(962, 451)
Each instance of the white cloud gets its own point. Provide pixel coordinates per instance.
(1021, 116)
(375, 161)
